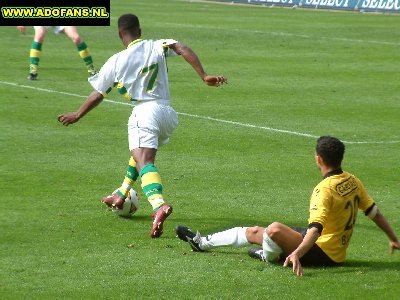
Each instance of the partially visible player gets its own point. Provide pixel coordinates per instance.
(333, 209)
(140, 73)
(36, 48)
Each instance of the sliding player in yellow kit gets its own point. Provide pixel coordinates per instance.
(140, 73)
(333, 209)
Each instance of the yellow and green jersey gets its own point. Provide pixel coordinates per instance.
(139, 72)
(333, 209)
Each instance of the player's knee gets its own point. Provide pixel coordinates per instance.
(254, 234)
(273, 230)
(39, 35)
(76, 39)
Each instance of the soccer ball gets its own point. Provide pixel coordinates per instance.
(131, 205)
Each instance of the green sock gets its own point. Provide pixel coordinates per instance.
(84, 53)
(129, 180)
(34, 57)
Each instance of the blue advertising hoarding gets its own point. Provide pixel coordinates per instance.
(361, 5)
(380, 5)
(273, 2)
(332, 4)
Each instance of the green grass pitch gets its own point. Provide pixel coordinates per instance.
(298, 71)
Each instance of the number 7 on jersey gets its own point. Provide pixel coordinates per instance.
(153, 71)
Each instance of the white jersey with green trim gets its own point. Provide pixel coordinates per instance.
(140, 71)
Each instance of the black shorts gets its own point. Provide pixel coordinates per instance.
(315, 256)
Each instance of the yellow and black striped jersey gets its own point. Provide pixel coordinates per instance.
(333, 209)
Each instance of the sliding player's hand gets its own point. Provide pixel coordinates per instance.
(295, 260)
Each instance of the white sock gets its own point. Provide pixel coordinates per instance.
(232, 237)
(270, 248)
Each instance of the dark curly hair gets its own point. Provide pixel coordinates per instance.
(331, 150)
(129, 23)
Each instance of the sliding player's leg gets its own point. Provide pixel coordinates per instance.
(278, 239)
(236, 237)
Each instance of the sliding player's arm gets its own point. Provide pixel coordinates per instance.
(309, 240)
(383, 224)
(370, 209)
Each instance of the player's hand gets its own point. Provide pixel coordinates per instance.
(393, 246)
(21, 29)
(68, 118)
(215, 80)
(295, 260)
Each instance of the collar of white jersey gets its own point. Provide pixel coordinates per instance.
(134, 42)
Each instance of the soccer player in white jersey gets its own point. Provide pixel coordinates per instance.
(36, 48)
(140, 73)
(333, 210)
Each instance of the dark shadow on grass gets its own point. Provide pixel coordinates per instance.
(225, 251)
(364, 265)
(135, 218)
(350, 267)
(207, 226)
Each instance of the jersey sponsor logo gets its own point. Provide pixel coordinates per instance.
(346, 187)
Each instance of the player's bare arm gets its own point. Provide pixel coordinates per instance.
(383, 224)
(91, 102)
(294, 258)
(191, 57)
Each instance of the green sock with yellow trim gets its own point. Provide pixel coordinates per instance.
(34, 57)
(130, 178)
(84, 53)
(151, 185)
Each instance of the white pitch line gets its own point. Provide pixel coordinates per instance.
(249, 125)
(280, 33)
(58, 92)
(340, 39)
(199, 116)
(282, 130)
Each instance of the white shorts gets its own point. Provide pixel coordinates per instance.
(57, 29)
(151, 124)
